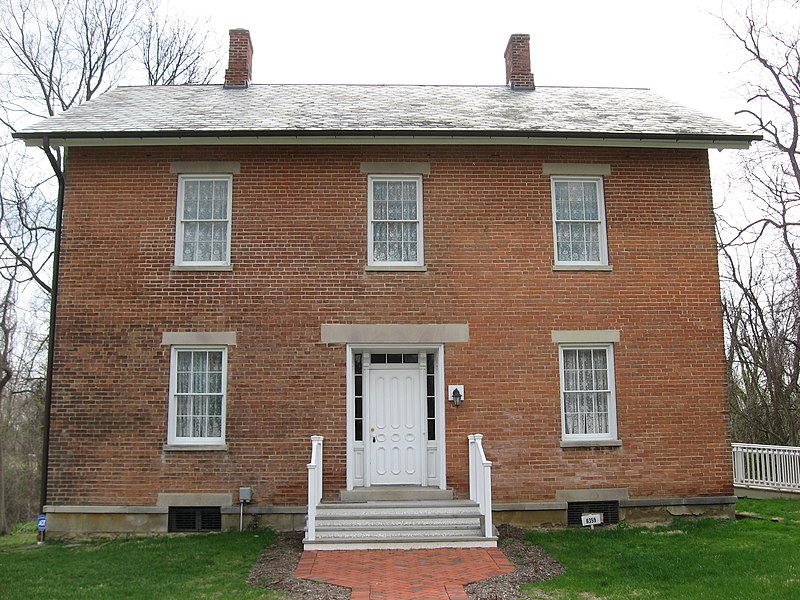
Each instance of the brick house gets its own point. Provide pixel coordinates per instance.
(394, 269)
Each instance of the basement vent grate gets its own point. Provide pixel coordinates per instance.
(609, 510)
(195, 518)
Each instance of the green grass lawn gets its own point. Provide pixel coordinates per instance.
(196, 566)
(690, 559)
(23, 534)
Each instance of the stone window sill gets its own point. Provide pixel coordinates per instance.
(196, 447)
(178, 268)
(418, 268)
(583, 267)
(591, 443)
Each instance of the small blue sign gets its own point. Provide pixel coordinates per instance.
(41, 523)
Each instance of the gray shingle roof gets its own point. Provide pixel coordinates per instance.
(267, 110)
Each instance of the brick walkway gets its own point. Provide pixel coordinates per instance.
(404, 574)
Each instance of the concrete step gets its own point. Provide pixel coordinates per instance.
(402, 544)
(394, 492)
(397, 533)
(386, 521)
(399, 524)
(399, 509)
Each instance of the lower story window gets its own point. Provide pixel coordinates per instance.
(588, 403)
(197, 395)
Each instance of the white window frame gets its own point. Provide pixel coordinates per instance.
(172, 437)
(179, 221)
(611, 435)
(601, 211)
(371, 261)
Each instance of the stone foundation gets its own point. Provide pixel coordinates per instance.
(79, 522)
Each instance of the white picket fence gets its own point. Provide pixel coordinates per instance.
(768, 467)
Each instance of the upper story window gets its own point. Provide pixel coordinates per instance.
(588, 401)
(204, 221)
(198, 383)
(579, 226)
(395, 221)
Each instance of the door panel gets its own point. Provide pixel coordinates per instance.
(395, 428)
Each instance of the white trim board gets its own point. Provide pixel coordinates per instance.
(436, 471)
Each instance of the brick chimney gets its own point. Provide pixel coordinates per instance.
(518, 62)
(240, 59)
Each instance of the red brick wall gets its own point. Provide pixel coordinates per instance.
(299, 251)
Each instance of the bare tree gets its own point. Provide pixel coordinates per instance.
(174, 51)
(58, 54)
(63, 52)
(27, 216)
(6, 372)
(25, 210)
(760, 250)
(55, 55)
(22, 346)
(762, 320)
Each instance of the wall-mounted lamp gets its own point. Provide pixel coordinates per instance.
(455, 394)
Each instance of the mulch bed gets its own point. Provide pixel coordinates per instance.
(533, 564)
(275, 570)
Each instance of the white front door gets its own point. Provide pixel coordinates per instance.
(394, 433)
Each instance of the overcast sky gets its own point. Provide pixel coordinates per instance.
(677, 48)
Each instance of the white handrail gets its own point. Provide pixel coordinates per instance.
(480, 481)
(314, 486)
(771, 467)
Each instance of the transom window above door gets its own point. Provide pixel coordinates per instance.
(395, 221)
(394, 359)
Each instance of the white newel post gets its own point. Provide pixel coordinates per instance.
(314, 485)
(473, 484)
(480, 481)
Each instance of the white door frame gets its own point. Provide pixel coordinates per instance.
(434, 459)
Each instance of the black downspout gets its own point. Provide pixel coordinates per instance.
(48, 389)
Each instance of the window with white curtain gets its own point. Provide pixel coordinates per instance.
(204, 220)
(588, 402)
(198, 382)
(395, 221)
(579, 227)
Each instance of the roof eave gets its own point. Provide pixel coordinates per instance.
(386, 137)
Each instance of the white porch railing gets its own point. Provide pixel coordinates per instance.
(480, 481)
(771, 467)
(314, 486)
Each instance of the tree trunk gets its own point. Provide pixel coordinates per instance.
(3, 520)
